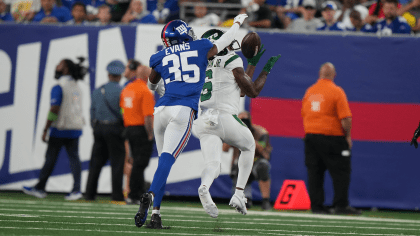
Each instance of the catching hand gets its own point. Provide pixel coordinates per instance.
(240, 18)
(254, 60)
(269, 65)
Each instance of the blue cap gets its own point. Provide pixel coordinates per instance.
(115, 67)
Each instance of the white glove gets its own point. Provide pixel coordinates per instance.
(240, 18)
(161, 88)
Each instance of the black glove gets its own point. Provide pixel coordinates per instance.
(415, 137)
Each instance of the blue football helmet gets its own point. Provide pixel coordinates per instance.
(177, 32)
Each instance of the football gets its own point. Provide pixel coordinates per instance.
(251, 44)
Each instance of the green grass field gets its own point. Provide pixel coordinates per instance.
(26, 215)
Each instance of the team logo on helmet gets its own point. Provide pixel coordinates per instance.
(177, 32)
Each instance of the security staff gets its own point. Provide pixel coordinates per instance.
(137, 105)
(327, 123)
(65, 122)
(108, 127)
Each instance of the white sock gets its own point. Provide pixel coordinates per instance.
(211, 171)
(246, 160)
(239, 192)
(155, 212)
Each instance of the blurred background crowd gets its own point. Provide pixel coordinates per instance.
(382, 16)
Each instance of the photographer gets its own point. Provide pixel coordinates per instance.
(65, 121)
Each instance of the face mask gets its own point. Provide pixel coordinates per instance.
(58, 74)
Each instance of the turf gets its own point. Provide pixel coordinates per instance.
(25, 215)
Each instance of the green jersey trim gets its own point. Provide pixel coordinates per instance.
(231, 59)
(237, 118)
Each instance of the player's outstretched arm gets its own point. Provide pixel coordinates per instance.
(227, 37)
(252, 62)
(415, 137)
(253, 89)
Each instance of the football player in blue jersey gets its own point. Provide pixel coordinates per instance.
(182, 67)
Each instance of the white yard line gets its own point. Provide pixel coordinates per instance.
(252, 222)
(201, 228)
(131, 213)
(221, 211)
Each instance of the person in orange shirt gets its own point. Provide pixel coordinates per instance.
(137, 104)
(327, 121)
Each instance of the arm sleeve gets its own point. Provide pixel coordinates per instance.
(148, 104)
(227, 37)
(56, 95)
(343, 108)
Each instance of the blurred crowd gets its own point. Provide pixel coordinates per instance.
(384, 17)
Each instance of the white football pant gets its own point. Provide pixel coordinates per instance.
(172, 128)
(231, 130)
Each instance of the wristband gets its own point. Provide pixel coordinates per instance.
(52, 116)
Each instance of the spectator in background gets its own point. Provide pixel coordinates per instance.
(164, 10)
(411, 12)
(79, 14)
(92, 8)
(202, 18)
(358, 24)
(65, 122)
(24, 10)
(259, 14)
(104, 15)
(118, 9)
(327, 121)
(329, 23)
(289, 10)
(348, 7)
(4, 15)
(136, 13)
(50, 13)
(107, 127)
(308, 22)
(392, 24)
(137, 104)
(261, 167)
(376, 12)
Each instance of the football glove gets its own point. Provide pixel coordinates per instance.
(415, 137)
(254, 60)
(240, 18)
(269, 65)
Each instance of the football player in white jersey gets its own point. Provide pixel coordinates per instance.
(218, 121)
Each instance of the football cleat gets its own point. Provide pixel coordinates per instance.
(145, 203)
(239, 203)
(207, 202)
(73, 196)
(34, 192)
(156, 223)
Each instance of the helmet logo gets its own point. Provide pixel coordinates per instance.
(182, 29)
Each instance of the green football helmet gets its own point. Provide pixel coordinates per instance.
(213, 35)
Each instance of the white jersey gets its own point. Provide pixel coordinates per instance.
(220, 90)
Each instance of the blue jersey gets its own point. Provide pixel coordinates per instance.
(398, 26)
(335, 27)
(366, 28)
(183, 70)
